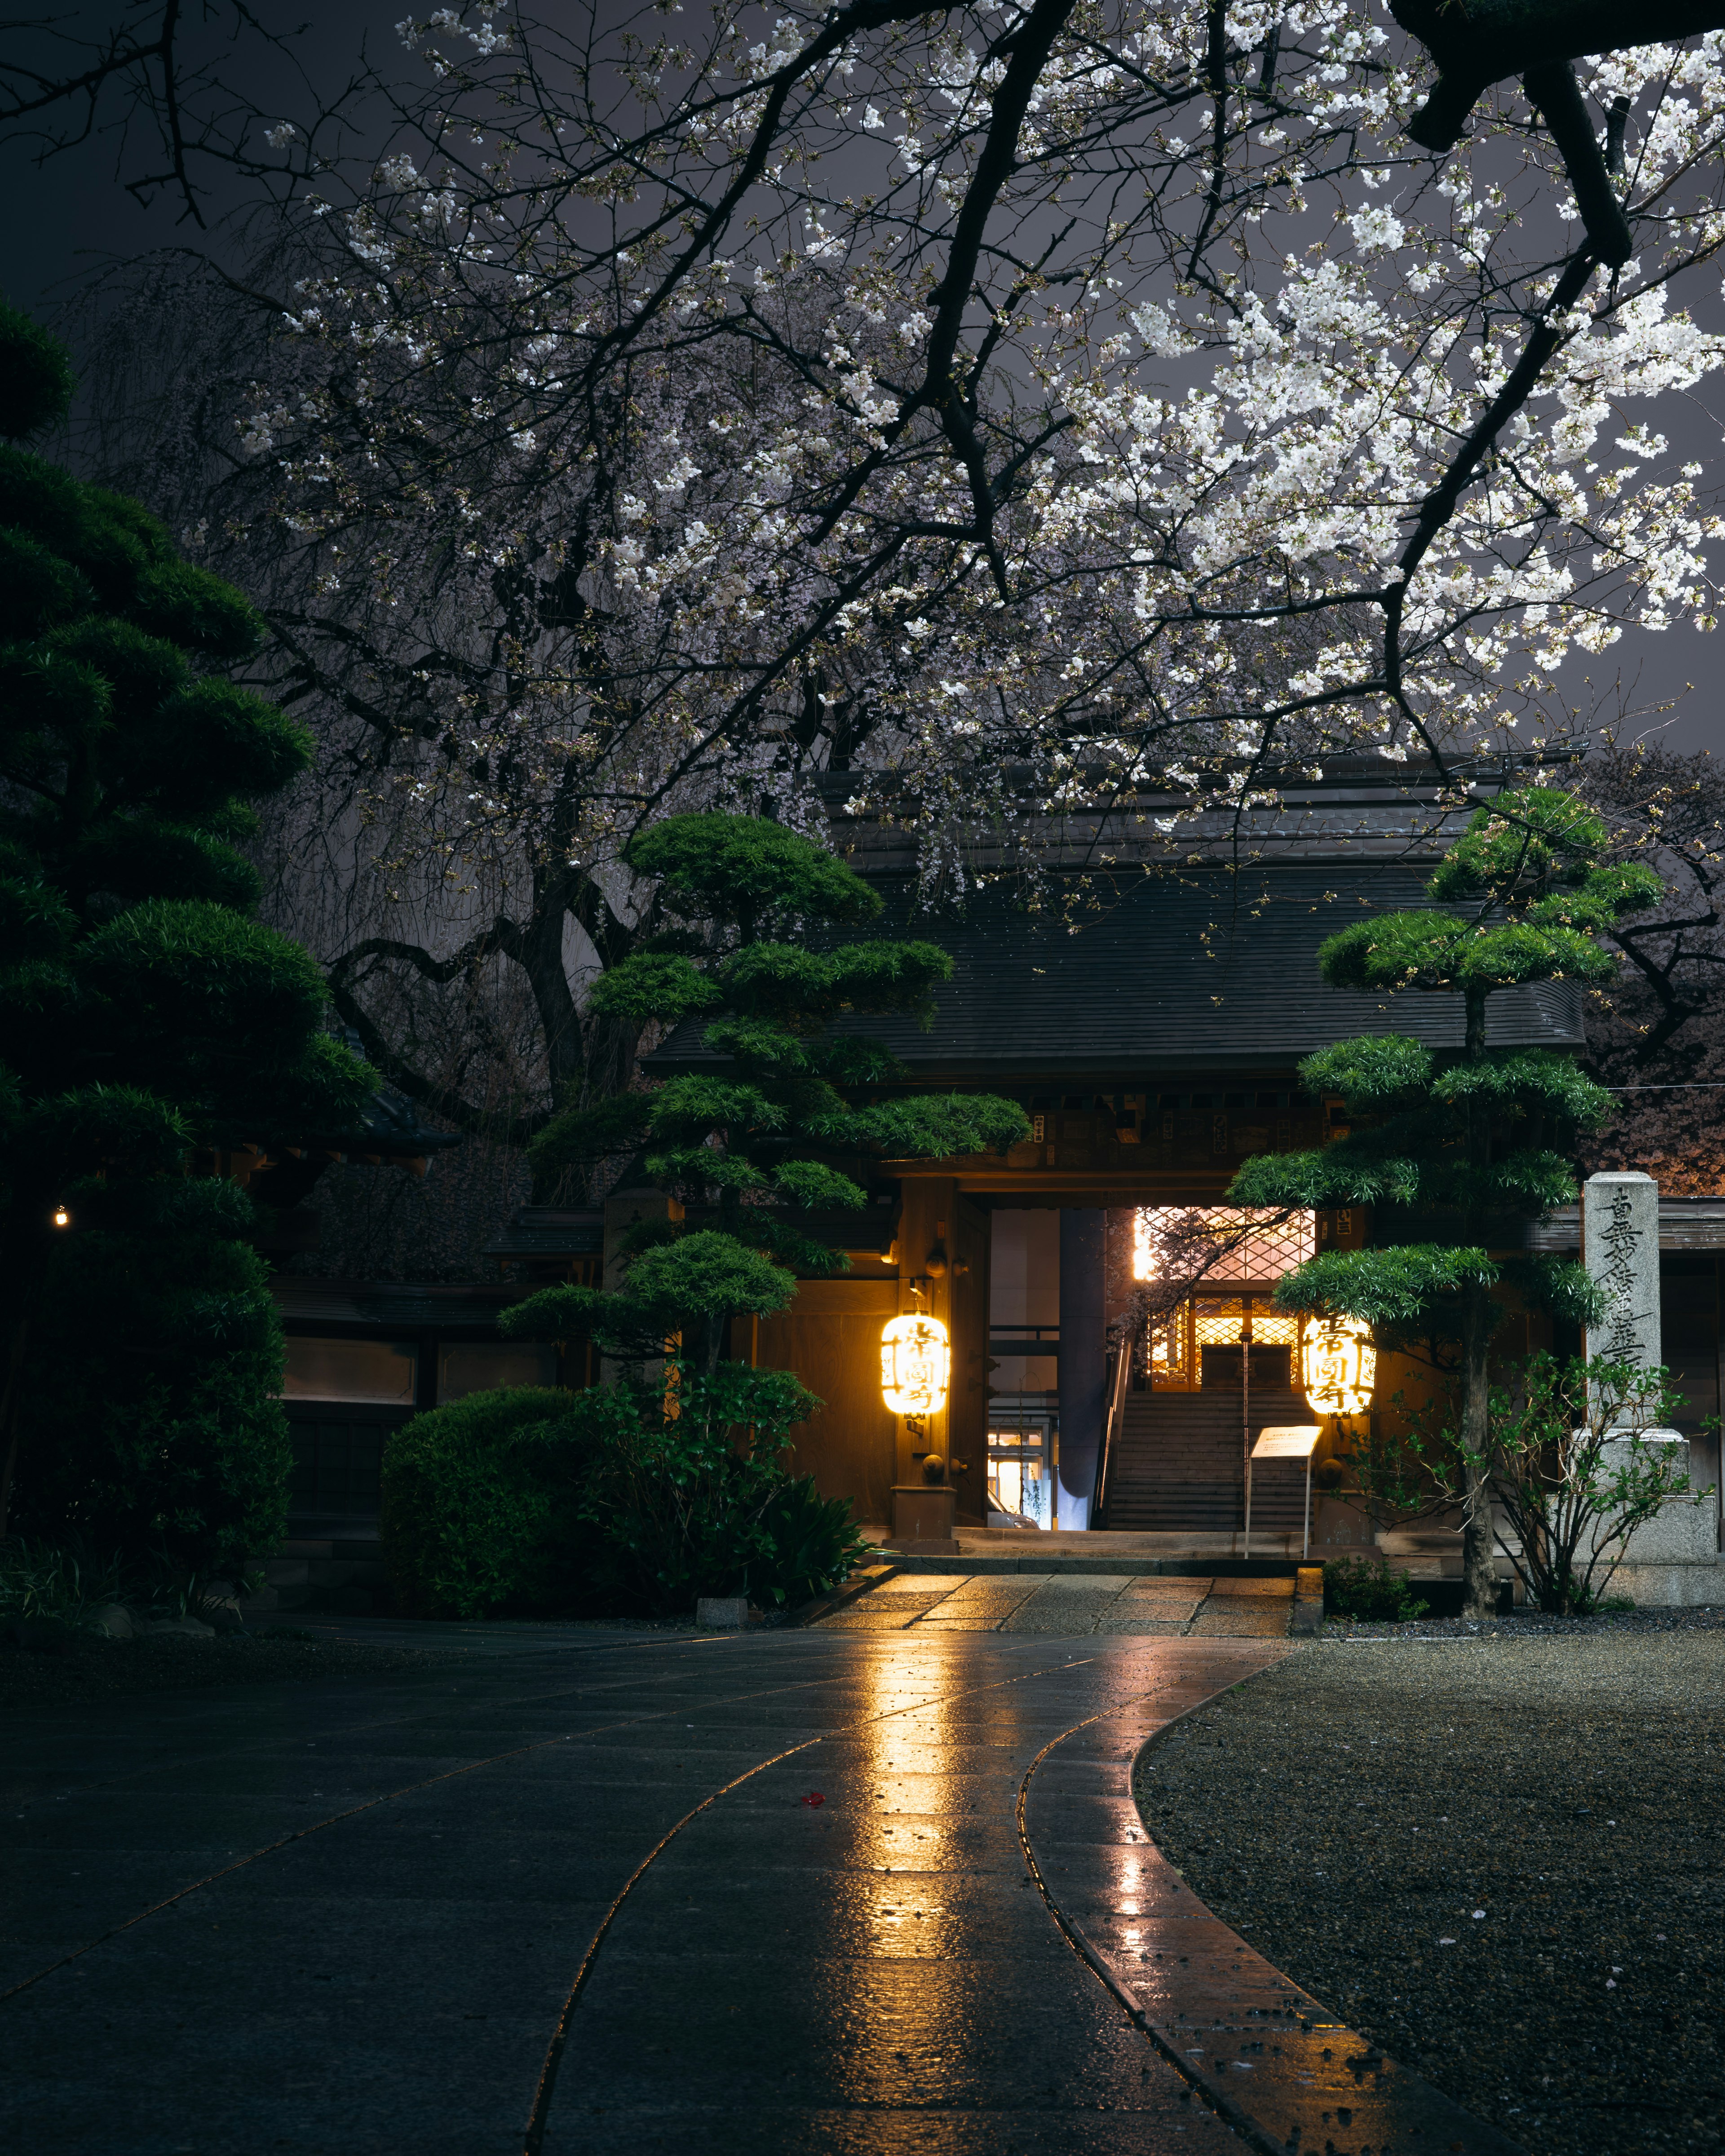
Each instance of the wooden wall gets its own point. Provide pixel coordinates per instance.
(830, 1337)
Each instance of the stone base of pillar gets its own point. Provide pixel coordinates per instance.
(1670, 1562)
(924, 1513)
(1681, 1532)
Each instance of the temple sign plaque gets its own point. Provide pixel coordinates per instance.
(1284, 1442)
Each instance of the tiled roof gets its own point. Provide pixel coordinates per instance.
(1213, 972)
(546, 1231)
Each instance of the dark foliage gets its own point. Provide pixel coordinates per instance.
(784, 1122)
(535, 1502)
(482, 1509)
(1462, 1140)
(1353, 1587)
(143, 1020)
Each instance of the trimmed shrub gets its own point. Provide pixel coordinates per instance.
(1352, 1588)
(144, 1019)
(481, 1510)
(688, 1500)
(532, 1503)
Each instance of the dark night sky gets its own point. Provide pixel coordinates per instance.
(72, 214)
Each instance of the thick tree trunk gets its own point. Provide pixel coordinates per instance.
(586, 1059)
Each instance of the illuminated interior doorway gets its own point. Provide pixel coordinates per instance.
(1021, 1464)
(1024, 1362)
(1234, 1336)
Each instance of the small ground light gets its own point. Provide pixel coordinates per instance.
(62, 1217)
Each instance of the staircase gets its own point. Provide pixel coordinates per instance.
(1179, 1467)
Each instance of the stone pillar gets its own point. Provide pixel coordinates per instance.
(1619, 1246)
(1084, 1358)
(1672, 1559)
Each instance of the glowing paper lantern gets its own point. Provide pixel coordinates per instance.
(1338, 1366)
(915, 1365)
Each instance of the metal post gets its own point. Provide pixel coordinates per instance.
(1245, 1407)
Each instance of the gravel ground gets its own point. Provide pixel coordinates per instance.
(1529, 1625)
(109, 1669)
(1502, 1857)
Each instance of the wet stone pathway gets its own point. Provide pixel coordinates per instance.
(787, 1893)
(1069, 1603)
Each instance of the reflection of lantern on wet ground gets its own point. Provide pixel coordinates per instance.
(915, 1365)
(1338, 1366)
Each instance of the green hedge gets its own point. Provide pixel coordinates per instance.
(481, 1508)
(531, 1502)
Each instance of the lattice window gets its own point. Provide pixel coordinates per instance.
(1219, 1324)
(1170, 1355)
(1251, 1245)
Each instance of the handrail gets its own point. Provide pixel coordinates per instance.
(1119, 1380)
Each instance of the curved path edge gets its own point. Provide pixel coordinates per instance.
(1277, 2065)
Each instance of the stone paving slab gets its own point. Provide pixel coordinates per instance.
(390, 1979)
(1116, 1605)
(1010, 1591)
(1065, 1606)
(789, 1864)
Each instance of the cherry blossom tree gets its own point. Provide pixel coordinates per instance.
(1110, 342)
(1006, 405)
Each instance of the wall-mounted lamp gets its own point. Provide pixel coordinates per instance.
(1338, 1366)
(62, 1217)
(915, 1365)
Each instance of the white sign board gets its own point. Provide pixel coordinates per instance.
(1287, 1441)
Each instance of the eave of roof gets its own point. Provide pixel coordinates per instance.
(399, 1306)
(1685, 1223)
(547, 1231)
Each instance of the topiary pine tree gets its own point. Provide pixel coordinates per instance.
(143, 1016)
(758, 1141)
(1468, 1136)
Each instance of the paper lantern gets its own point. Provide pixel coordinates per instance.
(915, 1365)
(1338, 1366)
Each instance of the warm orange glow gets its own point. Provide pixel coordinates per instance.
(62, 1217)
(1338, 1366)
(915, 1365)
(1252, 1245)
